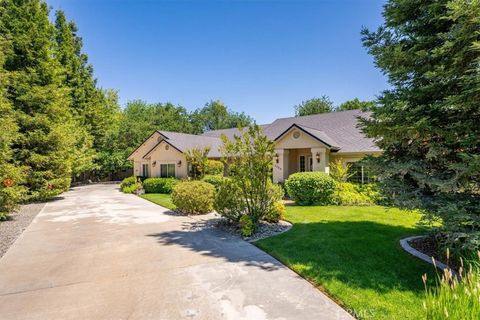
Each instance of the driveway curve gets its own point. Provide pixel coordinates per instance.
(96, 253)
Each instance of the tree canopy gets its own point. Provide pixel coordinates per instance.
(314, 106)
(355, 104)
(428, 122)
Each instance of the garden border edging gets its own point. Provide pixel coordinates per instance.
(407, 247)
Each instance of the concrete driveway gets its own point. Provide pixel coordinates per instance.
(96, 253)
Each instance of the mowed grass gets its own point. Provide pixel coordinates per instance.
(164, 200)
(353, 254)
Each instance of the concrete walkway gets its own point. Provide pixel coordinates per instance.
(99, 254)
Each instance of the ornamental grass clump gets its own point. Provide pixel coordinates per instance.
(455, 296)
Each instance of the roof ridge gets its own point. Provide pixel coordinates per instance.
(319, 114)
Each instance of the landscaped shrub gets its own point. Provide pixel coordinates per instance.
(349, 194)
(128, 181)
(229, 202)
(454, 298)
(276, 213)
(216, 181)
(247, 226)
(159, 185)
(307, 188)
(214, 167)
(132, 188)
(193, 197)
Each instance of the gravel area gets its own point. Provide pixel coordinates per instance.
(264, 230)
(11, 229)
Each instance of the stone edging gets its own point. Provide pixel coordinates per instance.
(407, 247)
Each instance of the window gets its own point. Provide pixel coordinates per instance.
(302, 164)
(167, 170)
(359, 174)
(145, 170)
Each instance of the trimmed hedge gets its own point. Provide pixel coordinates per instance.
(193, 197)
(307, 188)
(159, 185)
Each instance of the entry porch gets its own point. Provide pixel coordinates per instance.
(292, 160)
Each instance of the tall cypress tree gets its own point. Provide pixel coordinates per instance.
(428, 123)
(36, 92)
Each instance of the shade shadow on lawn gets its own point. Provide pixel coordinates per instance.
(359, 263)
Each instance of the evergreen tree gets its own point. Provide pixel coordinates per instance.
(428, 123)
(11, 175)
(37, 95)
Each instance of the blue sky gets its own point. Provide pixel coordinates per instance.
(260, 57)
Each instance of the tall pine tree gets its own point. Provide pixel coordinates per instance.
(428, 123)
(40, 100)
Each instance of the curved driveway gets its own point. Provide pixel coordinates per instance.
(96, 253)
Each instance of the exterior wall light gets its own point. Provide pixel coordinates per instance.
(154, 163)
(276, 157)
(317, 156)
(179, 163)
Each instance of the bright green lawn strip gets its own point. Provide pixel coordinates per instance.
(164, 200)
(353, 254)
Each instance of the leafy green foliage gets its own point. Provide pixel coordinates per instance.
(276, 213)
(159, 185)
(229, 201)
(247, 226)
(349, 194)
(215, 115)
(214, 180)
(356, 104)
(214, 167)
(130, 185)
(314, 106)
(197, 158)
(250, 155)
(193, 197)
(454, 298)
(339, 172)
(307, 188)
(427, 123)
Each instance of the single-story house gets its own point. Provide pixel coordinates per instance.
(308, 143)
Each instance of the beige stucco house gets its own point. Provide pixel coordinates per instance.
(308, 143)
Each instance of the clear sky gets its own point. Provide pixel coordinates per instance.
(260, 57)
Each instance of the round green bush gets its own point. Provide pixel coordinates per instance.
(159, 185)
(307, 188)
(130, 184)
(193, 197)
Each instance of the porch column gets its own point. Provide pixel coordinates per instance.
(320, 160)
(280, 165)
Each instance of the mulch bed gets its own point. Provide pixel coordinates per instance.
(18, 221)
(429, 246)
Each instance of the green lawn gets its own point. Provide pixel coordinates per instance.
(164, 200)
(354, 255)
